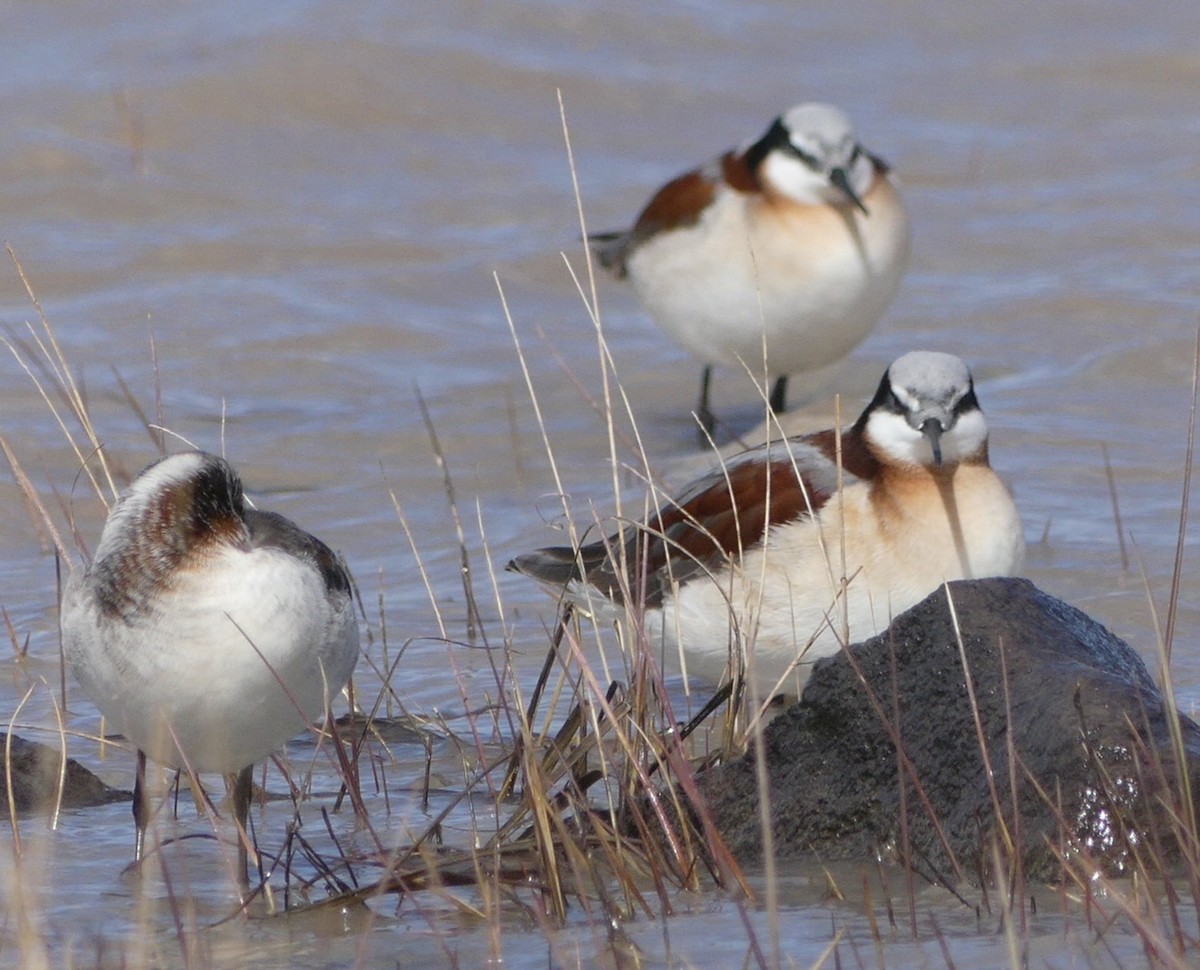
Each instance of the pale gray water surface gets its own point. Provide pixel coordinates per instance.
(300, 206)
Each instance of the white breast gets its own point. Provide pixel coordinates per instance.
(810, 280)
(229, 662)
(786, 603)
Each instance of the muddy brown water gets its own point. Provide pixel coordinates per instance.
(300, 207)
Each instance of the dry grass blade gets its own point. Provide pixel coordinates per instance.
(20, 650)
(1181, 541)
(9, 783)
(1116, 507)
(1010, 847)
(902, 788)
(1183, 777)
(1018, 864)
(474, 622)
(54, 358)
(31, 496)
(153, 428)
(527, 716)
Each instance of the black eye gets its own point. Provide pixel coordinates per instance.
(855, 155)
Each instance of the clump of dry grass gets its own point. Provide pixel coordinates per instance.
(583, 816)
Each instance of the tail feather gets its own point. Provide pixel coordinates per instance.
(555, 566)
(611, 249)
(561, 566)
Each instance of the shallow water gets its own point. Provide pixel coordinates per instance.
(288, 217)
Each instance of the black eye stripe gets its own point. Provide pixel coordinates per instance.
(967, 402)
(809, 160)
(776, 137)
(894, 403)
(813, 162)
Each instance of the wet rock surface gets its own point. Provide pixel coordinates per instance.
(1089, 766)
(34, 771)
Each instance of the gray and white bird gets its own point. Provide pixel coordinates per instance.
(775, 559)
(206, 632)
(795, 243)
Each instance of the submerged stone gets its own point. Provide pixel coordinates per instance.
(34, 772)
(1077, 736)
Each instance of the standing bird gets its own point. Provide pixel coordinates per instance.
(777, 558)
(206, 632)
(796, 243)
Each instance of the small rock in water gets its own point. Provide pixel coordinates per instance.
(34, 772)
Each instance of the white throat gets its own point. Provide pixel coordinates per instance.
(897, 442)
(790, 177)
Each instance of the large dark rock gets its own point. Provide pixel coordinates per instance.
(34, 771)
(1090, 740)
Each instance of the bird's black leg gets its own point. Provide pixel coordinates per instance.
(779, 395)
(243, 789)
(141, 807)
(703, 412)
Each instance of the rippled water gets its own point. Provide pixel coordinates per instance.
(287, 217)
